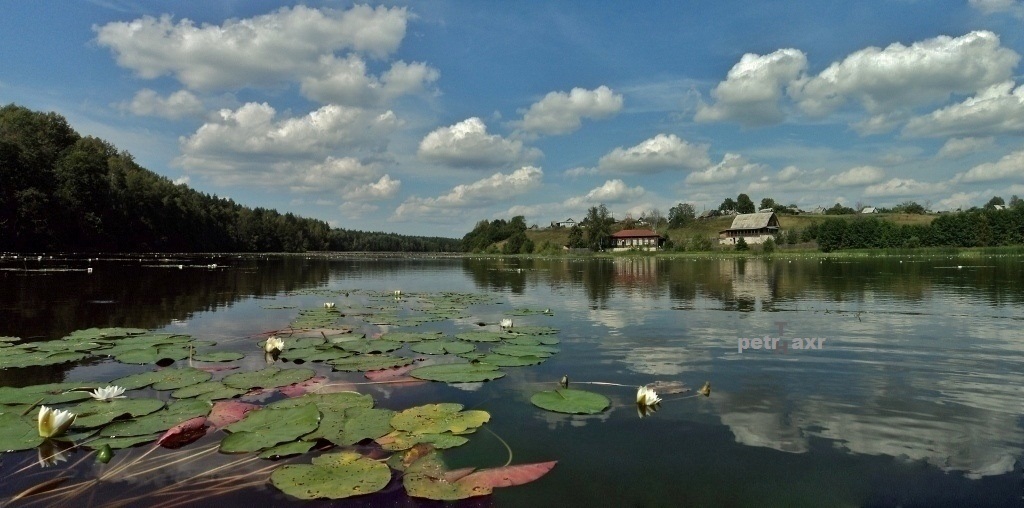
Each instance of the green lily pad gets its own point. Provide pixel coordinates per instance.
(7, 341)
(511, 361)
(315, 354)
(425, 478)
(96, 413)
(49, 394)
(439, 418)
(531, 312)
(218, 356)
(334, 409)
(369, 362)
(368, 346)
(103, 333)
(534, 330)
(270, 377)
(153, 355)
(18, 433)
(512, 350)
(118, 443)
(441, 347)
(332, 476)
(164, 379)
(159, 421)
(209, 390)
(400, 440)
(482, 336)
(458, 372)
(287, 450)
(533, 340)
(269, 427)
(411, 336)
(568, 400)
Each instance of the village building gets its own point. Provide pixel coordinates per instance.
(567, 223)
(637, 239)
(869, 209)
(751, 227)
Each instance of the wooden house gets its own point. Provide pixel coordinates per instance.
(752, 227)
(638, 239)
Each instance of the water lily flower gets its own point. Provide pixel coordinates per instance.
(329, 305)
(506, 323)
(647, 397)
(108, 393)
(398, 293)
(564, 382)
(54, 422)
(273, 345)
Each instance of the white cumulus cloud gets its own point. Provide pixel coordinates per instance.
(346, 81)
(264, 50)
(731, 167)
(562, 113)
(612, 191)
(955, 148)
(903, 187)
(177, 105)
(1014, 7)
(998, 109)
(861, 175)
(751, 91)
(467, 144)
(898, 76)
(1011, 166)
(383, 188)
(660, 153)
(497, 187)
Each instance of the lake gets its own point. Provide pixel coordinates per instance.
(907, 393)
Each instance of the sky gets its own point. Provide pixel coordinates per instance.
(426, 117)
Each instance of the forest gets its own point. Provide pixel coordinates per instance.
(60, 191)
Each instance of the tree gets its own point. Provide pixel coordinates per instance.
(576, 237)
(996, 200)
(741, 244)
(681, 215)
(909, 207)
(599, 227)
(654, 218)
(1016, 202)
(768, 246)
(727, 206)
(768, 203)
(744, 204)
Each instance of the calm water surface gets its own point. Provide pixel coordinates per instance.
(914, 397)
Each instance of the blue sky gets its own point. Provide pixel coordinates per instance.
(428, 116)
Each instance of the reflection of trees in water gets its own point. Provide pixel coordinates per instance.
(128, 293)
(499, 274)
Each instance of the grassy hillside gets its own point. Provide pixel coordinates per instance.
(711, 227)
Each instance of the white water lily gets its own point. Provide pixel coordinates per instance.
(506, 323)
(108, 393)
(647, 397)
(273, 345)
(329, 305)
(398, 293)
(54, 422)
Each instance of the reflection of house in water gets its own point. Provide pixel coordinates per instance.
(750, 280)
(636, 272)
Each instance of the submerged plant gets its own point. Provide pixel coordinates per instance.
(54, 422)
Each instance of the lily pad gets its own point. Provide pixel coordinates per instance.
(458, 372)
(332, 476)
(429, 478)
(399, 440)
(209, 390)
(533, 340)
(218, 356)
(49, 394)
(439, 418)
(534, 330)
(512, 361)
(287, 450)
(368, 346)
(482, 336)
(369, 362)
(411, 336)
(571, 401)
(96, 413)
(269, 427)
(270, 377)
(513, 350)
(159, 421)
(441, 347)
(18, 433)
(164, 379)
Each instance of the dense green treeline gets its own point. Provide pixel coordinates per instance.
(973, 228)
(60, 191)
